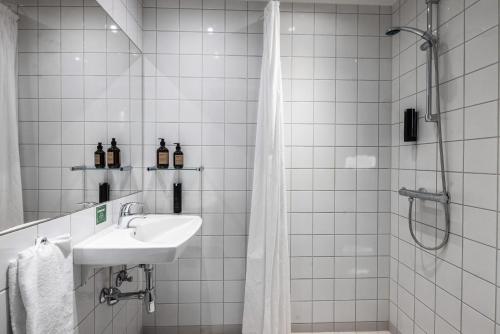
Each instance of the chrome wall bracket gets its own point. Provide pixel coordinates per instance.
(432, 118)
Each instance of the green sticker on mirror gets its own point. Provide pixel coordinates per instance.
(100, 214)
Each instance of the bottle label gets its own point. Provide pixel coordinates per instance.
(179, 159)
(97, 159)
(111, 158)
(163, 158)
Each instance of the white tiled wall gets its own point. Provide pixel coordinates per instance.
(201, 70)
(80, 82)
(128, 15)
(454, 290)
(90, 316)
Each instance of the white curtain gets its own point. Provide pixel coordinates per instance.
(11, 201)
(267, 289)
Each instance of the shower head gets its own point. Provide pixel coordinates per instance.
(429, 38)
(393, 31)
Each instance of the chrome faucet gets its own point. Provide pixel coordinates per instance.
(126, 215)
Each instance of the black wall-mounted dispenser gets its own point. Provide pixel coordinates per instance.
(177, 197)
(103, 192)
(411, 125)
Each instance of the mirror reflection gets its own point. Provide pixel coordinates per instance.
(79, 83)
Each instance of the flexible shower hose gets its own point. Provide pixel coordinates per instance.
(447, 229)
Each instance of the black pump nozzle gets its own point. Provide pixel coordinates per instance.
(177, 146)
(162, 142)
(99, 146)
(113, 142)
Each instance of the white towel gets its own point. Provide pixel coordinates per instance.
(17, 311)
(41, 289)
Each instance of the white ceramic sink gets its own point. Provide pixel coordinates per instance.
(149, 240)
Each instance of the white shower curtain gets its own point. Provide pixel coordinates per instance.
(11, 201)
(267, 289)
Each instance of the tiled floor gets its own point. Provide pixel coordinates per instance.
(378, 332)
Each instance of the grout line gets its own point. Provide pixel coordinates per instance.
(356, 278)
(334, 163)
(378, 175)
(312, 169)
(496, 311)
(463, 179)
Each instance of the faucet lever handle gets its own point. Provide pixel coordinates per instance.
(125, 208)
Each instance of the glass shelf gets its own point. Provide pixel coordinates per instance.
(198, 169)
(121, 169)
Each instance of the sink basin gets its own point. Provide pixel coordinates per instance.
(149, 240)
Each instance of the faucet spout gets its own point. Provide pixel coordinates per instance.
(126, 215)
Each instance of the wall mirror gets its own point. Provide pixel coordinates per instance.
(79, 83)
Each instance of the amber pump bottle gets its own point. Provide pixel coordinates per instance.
(178, 157)
(99, 157)
(162, 158)
(113, 156)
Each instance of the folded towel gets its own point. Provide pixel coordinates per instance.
(41, 289)
(16, 306)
